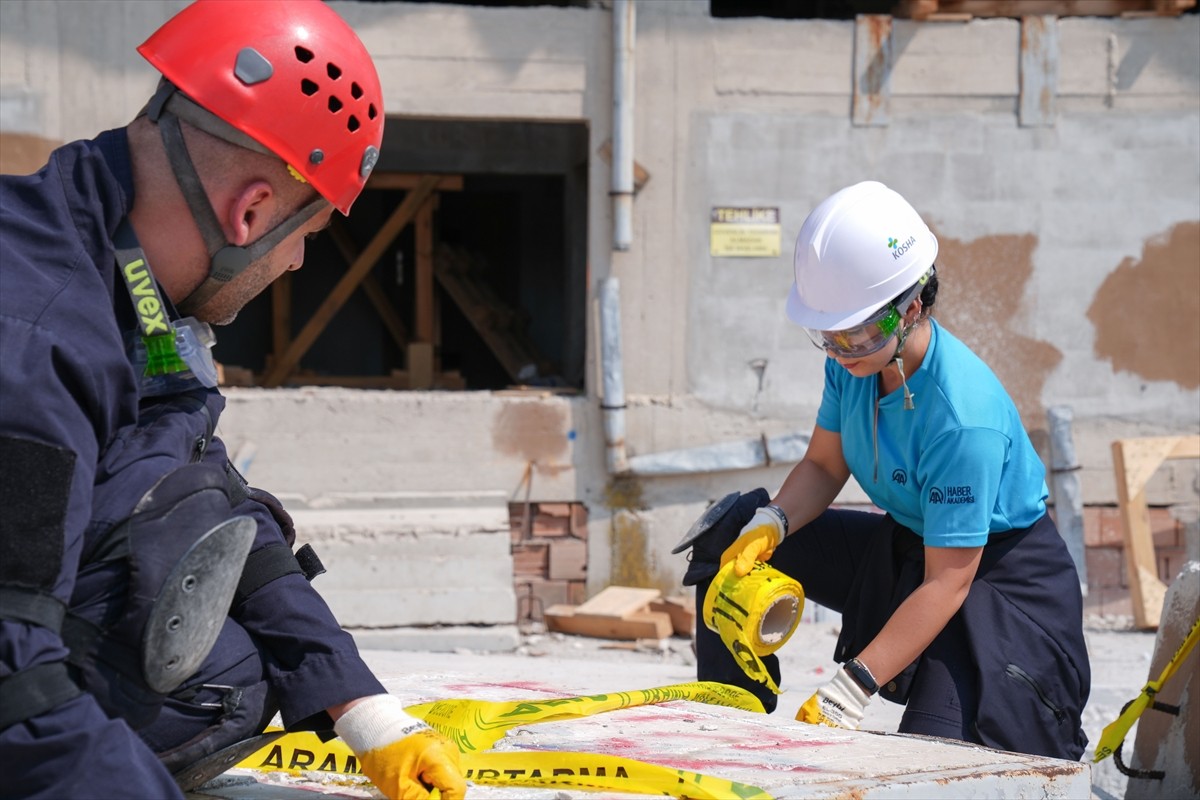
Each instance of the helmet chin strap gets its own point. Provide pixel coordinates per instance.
(898, 360)
(226, 261)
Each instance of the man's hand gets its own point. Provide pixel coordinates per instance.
(838, 704)
(403, 757)
(757, 540)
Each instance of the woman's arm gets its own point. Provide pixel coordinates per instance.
(921, 617)
(814, 483)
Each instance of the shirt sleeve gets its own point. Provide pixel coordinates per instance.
(829, 415)
(960, 479)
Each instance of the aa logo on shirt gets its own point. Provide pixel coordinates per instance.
(951, 495)
(899, 476)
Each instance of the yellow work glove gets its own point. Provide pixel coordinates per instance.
(403, 757)
(757, 540)
(838, 704)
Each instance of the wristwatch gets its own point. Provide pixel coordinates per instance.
(862, 676)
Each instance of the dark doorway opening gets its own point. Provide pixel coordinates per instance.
(502, 299)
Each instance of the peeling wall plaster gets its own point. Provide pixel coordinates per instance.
(981, 287)
(1146, 314)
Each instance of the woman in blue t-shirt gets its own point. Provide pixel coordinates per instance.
(960, 601)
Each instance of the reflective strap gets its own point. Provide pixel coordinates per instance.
(34, 691)
(30, 605)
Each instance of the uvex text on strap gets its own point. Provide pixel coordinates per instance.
(171, 348)
(754, 615)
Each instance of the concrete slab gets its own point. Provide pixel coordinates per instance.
(785, 758)
(446, 639)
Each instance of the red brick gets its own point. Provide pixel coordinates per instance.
(530, 560)
(1111, 532)
(568, 560)
(577, 592)
(1108, 601)
(579, 520)
(1164, 528)
(548, 525)
(539, 595)
(555, 509)
(1105, 567)
(1170, 561)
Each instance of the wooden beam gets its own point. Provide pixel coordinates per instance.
(370, 286)
(403, 215)
(408, 181)
(426, 311)
(1134, 463)
(281, 315)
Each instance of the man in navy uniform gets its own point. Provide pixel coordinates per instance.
(153, 617)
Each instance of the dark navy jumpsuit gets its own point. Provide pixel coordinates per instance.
(78, 448)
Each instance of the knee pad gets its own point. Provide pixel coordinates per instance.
(715, 530)
(183, 551)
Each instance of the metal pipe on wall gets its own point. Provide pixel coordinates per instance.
(613, 376)
(623, 22)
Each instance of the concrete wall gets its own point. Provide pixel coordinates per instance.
(1070, 252)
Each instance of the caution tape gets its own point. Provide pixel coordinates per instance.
(306, 752)
(478, 724)
(1114, 733)
(754, 615)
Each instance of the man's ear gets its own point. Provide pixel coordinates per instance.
(252, 209)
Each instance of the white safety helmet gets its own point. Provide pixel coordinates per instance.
(856, 252)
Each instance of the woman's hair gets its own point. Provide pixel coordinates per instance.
(929, 293)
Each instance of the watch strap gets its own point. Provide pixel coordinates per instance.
(862, 676)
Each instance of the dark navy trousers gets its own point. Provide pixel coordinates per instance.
(1009, 670)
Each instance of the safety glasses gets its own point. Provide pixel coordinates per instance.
(871, 336)
(861, 340)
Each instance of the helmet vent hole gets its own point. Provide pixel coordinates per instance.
(303, 55)
(308, 87)
(333, 71)
(371, 112)
(335, 105)
(356, 91)
(352, 123)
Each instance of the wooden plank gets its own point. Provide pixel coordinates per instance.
(426, 312)
(681, 610)
(1134, 463)
(281, 314)
(419, 360)
(619, 601)
(943, 9)
(408, 181)
(370, 286)
(645, 625)
(400, 218)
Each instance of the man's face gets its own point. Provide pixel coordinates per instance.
(224, 306)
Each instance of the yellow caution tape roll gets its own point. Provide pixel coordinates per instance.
(754, 615)
(305, 752)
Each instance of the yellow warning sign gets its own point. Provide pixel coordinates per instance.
(744, 232)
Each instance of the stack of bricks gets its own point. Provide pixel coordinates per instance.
(549, 550)
(1108, 580)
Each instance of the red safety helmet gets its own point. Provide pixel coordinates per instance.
(291, 74)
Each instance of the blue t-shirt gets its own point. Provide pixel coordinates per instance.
(954, 469)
